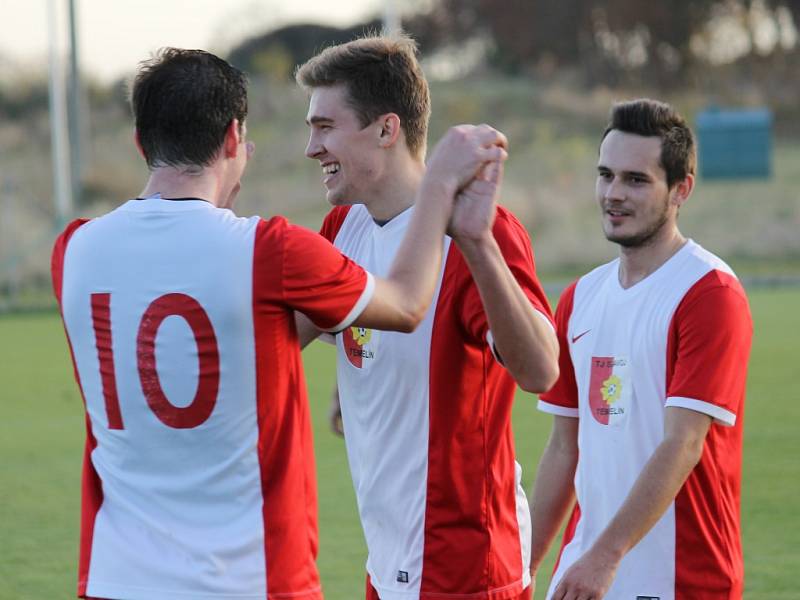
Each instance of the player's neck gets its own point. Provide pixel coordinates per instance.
(638, 262)
(171, 182)
(397, 192)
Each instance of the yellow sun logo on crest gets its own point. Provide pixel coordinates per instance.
(611, 390)
(361, 335)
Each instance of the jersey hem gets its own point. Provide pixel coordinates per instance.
(507, 592)
(720, 415)
(359, 306)
(555, 409)
(101, 590)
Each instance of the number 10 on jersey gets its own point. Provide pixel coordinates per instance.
(192, 312)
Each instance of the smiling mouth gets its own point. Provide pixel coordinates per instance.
(331, 168)
(329, 171)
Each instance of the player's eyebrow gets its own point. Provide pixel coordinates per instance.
(315, 120)
(602, 169)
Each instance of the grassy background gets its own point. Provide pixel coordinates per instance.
(41, 441)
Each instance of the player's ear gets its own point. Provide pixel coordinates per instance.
(137, 142)
(233, 136)
(388, 130)
(682, 190)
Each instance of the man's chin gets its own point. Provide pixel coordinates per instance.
(335, 199)
(634, 240)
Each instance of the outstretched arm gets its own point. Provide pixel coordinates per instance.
(656, 487)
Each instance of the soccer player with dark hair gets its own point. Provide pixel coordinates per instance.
(427, 416)
(198, 477)
(648, 407)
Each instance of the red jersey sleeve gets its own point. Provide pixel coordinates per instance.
(306, 273)
(333, 222)
(562, 399)
(515, 245)
(57, 258)
(708, 348)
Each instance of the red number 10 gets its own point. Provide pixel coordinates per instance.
(205, 398)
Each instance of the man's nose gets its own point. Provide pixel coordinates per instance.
(615, 190)
(313, 148)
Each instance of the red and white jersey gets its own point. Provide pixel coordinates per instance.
(680, 337)
(427, 420)
(199, 473)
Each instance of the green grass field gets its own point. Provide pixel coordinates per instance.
(41, 437)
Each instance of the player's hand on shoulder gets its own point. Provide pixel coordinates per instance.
(588, 579)
(462, 153)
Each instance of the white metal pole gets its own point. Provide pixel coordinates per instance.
(74, 109)
(391, 17)
(59, 139)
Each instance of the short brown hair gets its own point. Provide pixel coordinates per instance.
(381, 75)
(183, 101)
(651, 118)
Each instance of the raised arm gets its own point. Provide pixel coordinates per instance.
(523, 338)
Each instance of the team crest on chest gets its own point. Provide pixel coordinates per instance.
(359, 345)
(610, 389)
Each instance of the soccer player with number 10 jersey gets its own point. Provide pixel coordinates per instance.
(198, 477)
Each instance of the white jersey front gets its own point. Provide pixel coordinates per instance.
(428, 431)
(680, 337)
(199, 472)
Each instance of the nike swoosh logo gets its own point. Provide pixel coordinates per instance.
(575, 338)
